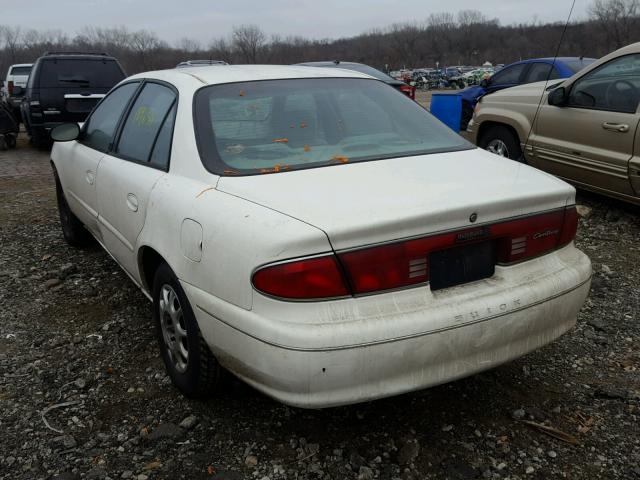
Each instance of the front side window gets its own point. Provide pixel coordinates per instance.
(278, 125)
(508, 75)
(101, 125)
(614, 86)
(144, 122)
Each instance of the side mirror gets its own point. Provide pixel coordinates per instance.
(485, 83)
(65, 132)
(17, 91)
(558, 97)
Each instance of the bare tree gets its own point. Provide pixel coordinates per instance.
(189, 45)
(11, 37)
(221, 49)
(617, 18)
(248, 40)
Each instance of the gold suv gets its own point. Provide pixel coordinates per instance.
(583, 129)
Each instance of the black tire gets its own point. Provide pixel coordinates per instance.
(203, 375)
(3, 143)
(500, 139)
(72, 228)
(11, 141)
(40, 139)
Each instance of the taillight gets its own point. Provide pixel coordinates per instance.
(409, 91)
(406, 263)
(310, 278)
(569, 226)
(10, 87)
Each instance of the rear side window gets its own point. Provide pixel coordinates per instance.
(20, 71)
(541, 72)
(509, 75)
(69, 73)
(162, 149)
(102, 123)
(143, 124)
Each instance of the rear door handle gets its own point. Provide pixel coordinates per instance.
(90, 177)
(616, 127)
(132, 202)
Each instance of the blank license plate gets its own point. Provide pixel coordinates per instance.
(459, 265)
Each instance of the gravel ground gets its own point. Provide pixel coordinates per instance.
(83, 392)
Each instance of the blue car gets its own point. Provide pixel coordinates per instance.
(520, 73)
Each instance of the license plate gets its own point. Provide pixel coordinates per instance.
(459, 265)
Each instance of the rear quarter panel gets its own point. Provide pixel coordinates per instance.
(236, 237)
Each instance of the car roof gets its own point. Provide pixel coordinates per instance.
(76, 56)
(21, 65)
(213, 75)
(552, 59)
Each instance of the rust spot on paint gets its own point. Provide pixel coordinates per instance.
(205, 190)
(340, 158)
(280, 140)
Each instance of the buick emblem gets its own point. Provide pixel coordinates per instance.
(473, 217)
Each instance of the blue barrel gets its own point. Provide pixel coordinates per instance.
(447, 107)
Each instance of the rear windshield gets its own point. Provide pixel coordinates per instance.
(278, 125)
(20, 71)
(98, 73)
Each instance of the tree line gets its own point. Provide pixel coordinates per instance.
(466, 38)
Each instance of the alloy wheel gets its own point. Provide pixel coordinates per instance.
(174, 331)
(498, 147)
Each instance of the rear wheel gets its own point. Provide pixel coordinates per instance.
(501, 141)
(191, 365)
(72, 228)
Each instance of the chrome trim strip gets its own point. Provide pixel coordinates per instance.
(404, 337)
(77, 95)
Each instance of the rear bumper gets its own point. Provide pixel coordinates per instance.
(383, 345)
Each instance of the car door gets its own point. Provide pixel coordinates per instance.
(84, 155)
(129, 172)
(590, 139)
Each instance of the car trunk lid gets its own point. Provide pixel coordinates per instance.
(374, 202)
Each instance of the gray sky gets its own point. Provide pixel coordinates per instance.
(203, 20)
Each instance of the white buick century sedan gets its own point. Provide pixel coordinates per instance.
(317, 233)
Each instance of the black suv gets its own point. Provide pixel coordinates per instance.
(64, 87)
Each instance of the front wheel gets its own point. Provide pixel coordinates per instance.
(501, 141)
(190, 364)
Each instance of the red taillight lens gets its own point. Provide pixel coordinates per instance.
(406, 263)
(409, 91)
(569, 226)
(310, 278)
(10, 87)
